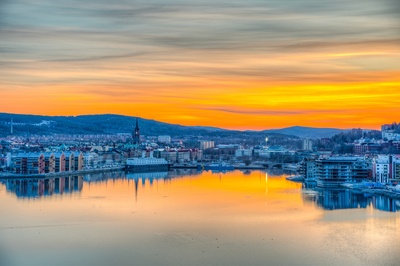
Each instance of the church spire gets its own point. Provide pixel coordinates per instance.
(136, 133)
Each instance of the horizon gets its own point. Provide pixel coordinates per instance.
(240, 65)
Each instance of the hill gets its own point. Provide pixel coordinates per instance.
(307, 132)
(112, 124)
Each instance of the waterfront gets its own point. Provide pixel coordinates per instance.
(189, 218)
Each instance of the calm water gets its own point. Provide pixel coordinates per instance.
(185, 218)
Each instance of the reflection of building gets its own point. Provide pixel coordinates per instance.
(35, 188)
(386, 204)
(147, 176)
(141, 178)
(332, 199)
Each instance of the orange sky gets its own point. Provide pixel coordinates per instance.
(245, 66)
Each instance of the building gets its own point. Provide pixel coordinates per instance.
(69, 161)
(169, 155)
(390, 131)
(386, 168)
(196, 154)
(136, 134)
(49, 162)
(79, 161)
(28, 163)
(273, 150)
(59, 161)
(206, 144)
(183, 156)
(366, 146)
(164, 139)
(40, 163)
(308, 169)
(243, 153)
(333, 171)
(173, 156)
(307, 145)
(91, 159)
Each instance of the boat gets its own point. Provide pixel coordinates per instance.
(221, 166)
(298, 178)
(147, 164)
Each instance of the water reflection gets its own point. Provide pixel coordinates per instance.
(36, 188)
(157, 176)
(325, 198)
(385, 204)
(190, 218)
(337, 198)
(44, 187)
(103, 177)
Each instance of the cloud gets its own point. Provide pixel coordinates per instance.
(250, 111)
(175, 50)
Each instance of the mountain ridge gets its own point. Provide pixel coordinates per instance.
(115, 123)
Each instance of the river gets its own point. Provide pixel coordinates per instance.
(186, 217)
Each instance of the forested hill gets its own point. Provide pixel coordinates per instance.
(108, 124)
(112, 124)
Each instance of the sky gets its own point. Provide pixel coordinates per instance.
(253, 64)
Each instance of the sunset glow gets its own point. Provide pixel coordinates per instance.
(242, 65)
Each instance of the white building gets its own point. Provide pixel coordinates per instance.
(307, 145)
(390, 135)
(164, 139)
(243, 152)
(386, 168)
(91, 159)
(273, 150)
(206, 144)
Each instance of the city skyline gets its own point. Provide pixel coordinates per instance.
(254, 65)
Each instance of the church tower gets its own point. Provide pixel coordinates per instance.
(136, 133)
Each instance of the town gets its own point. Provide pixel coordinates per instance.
(351, 156)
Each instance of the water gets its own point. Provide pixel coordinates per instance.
(189, 218)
